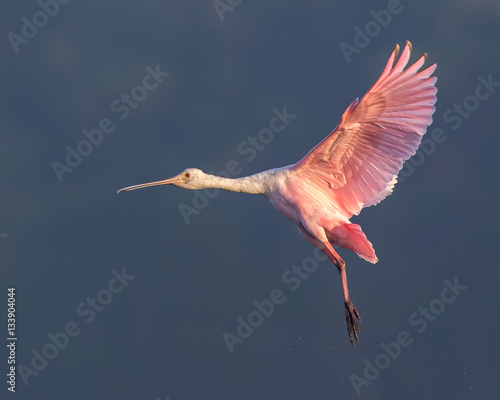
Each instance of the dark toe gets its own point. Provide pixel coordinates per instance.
(352, 316)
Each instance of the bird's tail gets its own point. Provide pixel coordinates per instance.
(350, 236)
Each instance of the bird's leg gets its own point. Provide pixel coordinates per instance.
(350, 311)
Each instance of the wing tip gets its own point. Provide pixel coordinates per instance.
(409, 45)
(395, 52)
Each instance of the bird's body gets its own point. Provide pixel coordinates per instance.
(355, 166)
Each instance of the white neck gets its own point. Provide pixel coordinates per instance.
(253, 184)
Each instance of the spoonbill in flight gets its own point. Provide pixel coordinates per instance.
(355, 166)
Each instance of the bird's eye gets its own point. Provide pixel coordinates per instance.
(187, 175)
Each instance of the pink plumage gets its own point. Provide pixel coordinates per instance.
(361, 158)
(355, 166)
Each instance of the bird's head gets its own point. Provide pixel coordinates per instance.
(190, 178)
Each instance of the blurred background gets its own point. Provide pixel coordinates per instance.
(128, 296)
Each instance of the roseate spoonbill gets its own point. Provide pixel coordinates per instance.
(355, 166)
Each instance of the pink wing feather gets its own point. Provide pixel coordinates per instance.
(359, 161)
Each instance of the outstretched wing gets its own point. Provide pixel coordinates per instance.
(359, 161)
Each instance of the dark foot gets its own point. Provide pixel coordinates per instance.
(352, 325)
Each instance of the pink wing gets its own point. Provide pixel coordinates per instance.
(361, 158)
